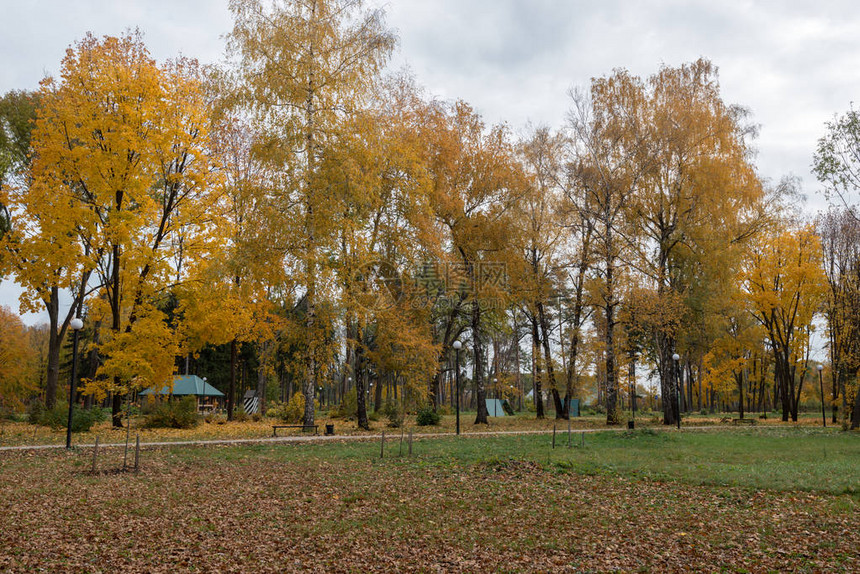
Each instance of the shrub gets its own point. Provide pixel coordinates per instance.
(373, 416)
(293, 411)
(177, 414)
(349, 405)
(427, 417)
(240, 416)
(391, 411)
(58, 417)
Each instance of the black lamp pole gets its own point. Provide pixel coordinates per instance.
(632, 402)
(821, 384)
(676, 357)
(76, 324)
(457, 346)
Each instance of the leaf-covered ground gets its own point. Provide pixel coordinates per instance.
(331, 508)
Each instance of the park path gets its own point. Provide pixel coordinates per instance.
(324, 438)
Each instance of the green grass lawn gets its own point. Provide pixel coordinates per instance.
(814, 460)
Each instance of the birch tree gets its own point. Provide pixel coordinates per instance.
(305, 66)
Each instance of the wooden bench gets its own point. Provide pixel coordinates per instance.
(305, 428)
(743, 421)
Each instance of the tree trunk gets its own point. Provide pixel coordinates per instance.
(536, 370)
(377, 396)
(550, 370)
(518, 378)
(668, 379)
(261, 388)
(54, 343)
(231, 387)
(478, 372)
(611, 389)
(740, 381)
(855, 413)
(360, 391)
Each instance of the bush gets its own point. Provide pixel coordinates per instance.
(427, 417)
(349, 405)
(391, 411)
(292, 412)
(58, 417)
(176, 414)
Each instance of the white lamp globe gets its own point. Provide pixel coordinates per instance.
(457, 345)
(76, 324)
(676, 356)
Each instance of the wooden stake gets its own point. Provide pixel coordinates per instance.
(553, 436)
(95, 454)
(568, 428)
(582, 439)
(137, 454)
(410, 442)
(382, 446)
(402, 430)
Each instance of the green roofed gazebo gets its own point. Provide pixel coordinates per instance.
(208, 397)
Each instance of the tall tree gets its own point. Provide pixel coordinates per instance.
(474, 181)
(840, 238)
(607, 131)
(306, 65)
(540, 239)
(123, 145)
(784, 283)
(698, 186)
(44, 258)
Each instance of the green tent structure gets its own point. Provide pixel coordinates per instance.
(208, 397)
(499, 408)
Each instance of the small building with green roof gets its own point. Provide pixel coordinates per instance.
(208, 397)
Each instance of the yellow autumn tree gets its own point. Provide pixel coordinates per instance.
(16, 357)
(784, 284)
(306, 66)
(122, 144)
(475, 179)
(699, 194)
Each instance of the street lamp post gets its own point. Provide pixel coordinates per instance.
(495, 395)
(632, 424)
(676, 357)
(76, 324)
(821, 384)
(457, 346)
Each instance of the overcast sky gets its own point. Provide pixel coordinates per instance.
(794, 64)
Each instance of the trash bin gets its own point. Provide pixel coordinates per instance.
(329, 429)
(630, 424)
